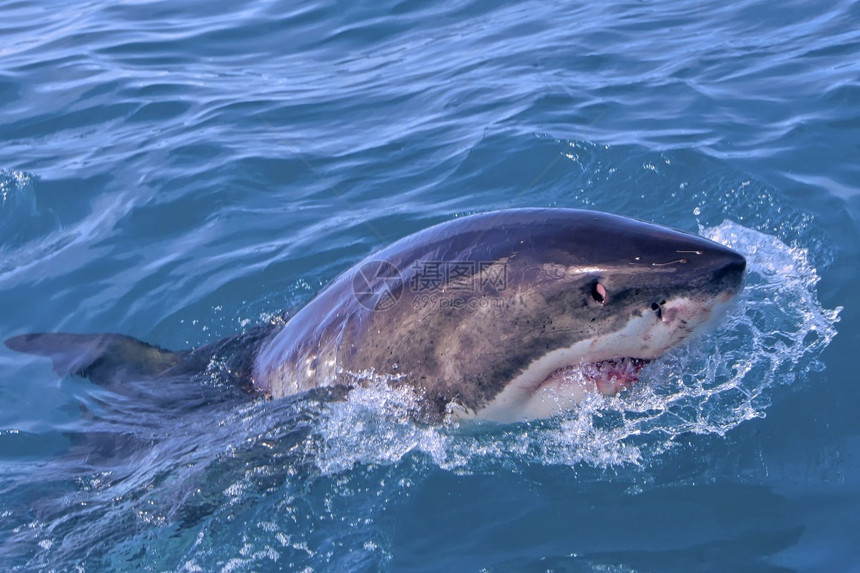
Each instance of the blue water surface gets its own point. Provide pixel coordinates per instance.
(180, 171)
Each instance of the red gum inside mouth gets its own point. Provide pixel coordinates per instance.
(609, 376)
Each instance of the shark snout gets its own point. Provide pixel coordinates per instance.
(712, 266)
(729, 271)
(718, 274)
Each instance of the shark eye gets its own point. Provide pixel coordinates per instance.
(598, 293)
(657, 307)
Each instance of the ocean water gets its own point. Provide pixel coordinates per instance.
(181, 171)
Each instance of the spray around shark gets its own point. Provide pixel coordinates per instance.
(483, 316)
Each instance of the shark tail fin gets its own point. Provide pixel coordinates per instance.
(103, 358)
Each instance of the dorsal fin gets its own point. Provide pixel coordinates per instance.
(103, 358)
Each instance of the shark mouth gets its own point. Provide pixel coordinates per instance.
(608, 376)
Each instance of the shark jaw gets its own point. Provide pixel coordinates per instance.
(607, 364)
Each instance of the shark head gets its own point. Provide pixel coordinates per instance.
(601, 296)
(487, 315)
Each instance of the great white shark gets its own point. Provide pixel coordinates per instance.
(506, 316)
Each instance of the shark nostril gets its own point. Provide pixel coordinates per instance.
(657, 307)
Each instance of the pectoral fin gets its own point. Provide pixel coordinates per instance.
(103, 358)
